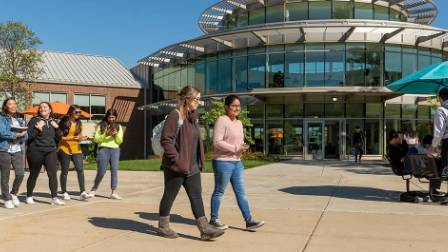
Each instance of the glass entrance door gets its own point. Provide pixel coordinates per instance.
(314, 140)
(332, 137)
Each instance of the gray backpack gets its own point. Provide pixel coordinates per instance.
(157, 135)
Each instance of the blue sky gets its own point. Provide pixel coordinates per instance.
(126, 29)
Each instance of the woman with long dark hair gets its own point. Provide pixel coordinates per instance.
(228, 143)
(108, 137)
(69, 149)
(11, 152)
(182, 163)
(43, 138)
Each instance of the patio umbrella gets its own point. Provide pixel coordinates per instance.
(429, 80)
(59, 109)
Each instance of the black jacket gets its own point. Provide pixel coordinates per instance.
(46, 140)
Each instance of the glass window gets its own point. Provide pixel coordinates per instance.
(39, 97)
(334, 64)
(256, 111)
(374, 110)
(320, 10)
(424, 128)
(314, 110)
(392, 125)
(356, 60)
(257, 71)
(374, 64)
(293, 110)
(409, 111)
(98, 105)
(445, 55)
(395, 15)
(373, 135)
(315, 65)
(224, 76)
(392, 64)
(424, 58)
(212, 77)
(257, 133)
(83, 101)
(334, 110)
(392, 111)
(295, 66)
(436, 57)
(355, 110)
(199, 79)
(274, 111)
(240, 73)
(275, 137)
(242, 20)
(381, 12)
(363, 11)
(343, 10)
(276, 70)
(257, 17)
(293, 137)
(297, 11)
(423, 112)
(410, 57)
(275, 14)
(58, 97)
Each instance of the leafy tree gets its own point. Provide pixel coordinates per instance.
(215, 111)
(20, 62)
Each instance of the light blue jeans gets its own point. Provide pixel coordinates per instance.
(104, 157)
(225, 172)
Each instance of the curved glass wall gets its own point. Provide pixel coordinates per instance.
(298, 65)
(314, 10)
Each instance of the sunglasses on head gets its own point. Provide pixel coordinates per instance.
(77, 112)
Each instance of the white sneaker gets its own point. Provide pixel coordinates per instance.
(9, 204)
(29, 200)
(84, 196)
(115, 196)
(57, 202)
(66, 196)
(15, 200)
(92, 194)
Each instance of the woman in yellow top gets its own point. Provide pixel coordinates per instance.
(108, 137)
(69, 149)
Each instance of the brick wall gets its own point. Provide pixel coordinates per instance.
(124, 100)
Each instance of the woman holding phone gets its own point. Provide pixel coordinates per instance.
(228, 143)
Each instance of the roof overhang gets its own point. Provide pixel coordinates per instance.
(374, 31)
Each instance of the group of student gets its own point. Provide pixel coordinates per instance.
(401, 144)
(183, 161)
(45, 141)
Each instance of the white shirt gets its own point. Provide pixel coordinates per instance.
(14, 146)
(440, 124)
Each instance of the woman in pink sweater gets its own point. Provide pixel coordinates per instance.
(228, 143)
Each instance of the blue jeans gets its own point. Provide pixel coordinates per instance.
(104, 157)
(233, 172)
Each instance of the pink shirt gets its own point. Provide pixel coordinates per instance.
(228, 136)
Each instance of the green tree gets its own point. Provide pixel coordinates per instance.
(20, 61)
(215, 111)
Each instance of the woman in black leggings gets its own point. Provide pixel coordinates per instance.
(43, 136)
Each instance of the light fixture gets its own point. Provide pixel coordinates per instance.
(334, 99)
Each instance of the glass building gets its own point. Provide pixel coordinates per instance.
(310, 71)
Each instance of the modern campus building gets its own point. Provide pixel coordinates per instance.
(310, 70)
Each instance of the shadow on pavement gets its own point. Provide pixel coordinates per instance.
(347, 192)
(174, 218)
(130, 225)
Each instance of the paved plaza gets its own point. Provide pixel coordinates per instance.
(319, 206)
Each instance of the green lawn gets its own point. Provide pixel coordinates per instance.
(154, 165)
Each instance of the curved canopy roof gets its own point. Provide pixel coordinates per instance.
(374, 31)
(419, 11)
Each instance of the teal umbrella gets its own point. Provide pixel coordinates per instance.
(426, 81)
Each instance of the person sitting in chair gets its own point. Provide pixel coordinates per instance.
(426, 148)
(396, 153)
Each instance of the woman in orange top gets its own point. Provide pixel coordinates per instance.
(69, 149)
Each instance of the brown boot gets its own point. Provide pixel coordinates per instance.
(164, 228)
(208, 231)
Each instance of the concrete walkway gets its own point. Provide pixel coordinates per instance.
(330, 206)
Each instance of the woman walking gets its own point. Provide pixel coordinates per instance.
(228, 143)
(69, 149)
(11, 152)
(108, 137)
(182, 163)
(43, 138)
